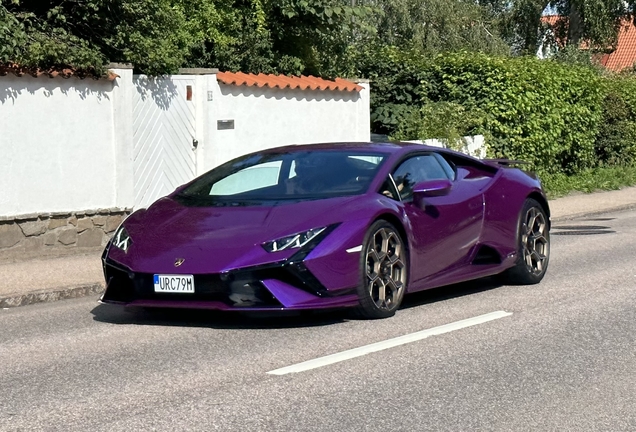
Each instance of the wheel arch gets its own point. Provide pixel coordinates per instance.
(540, 198)
(397, 223)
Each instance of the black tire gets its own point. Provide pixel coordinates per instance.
(533, 246)
(383, 271)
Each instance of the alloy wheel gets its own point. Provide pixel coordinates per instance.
(534, 240)
(385, 269)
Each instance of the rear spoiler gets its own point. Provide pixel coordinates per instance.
(505, 162)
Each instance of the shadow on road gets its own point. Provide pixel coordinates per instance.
(216, 319)
(449, 292)
(271, 320)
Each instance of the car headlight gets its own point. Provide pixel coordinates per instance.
(293, 241)
(122, 239)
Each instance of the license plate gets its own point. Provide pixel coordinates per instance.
(174, 283)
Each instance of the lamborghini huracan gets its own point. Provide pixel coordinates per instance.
(356, 225)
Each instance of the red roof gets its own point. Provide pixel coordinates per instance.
(550, 20)
(624, 56)
(54, 72)
(283, 81)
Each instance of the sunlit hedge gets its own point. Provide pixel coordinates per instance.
(616, 140)
(559, 117)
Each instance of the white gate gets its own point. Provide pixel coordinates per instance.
(164, 133)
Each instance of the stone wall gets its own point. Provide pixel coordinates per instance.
(38, 234)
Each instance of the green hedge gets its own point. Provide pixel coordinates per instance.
(616, 140)
(559, 117)
(543, 112)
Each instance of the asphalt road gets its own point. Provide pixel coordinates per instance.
(565, 360)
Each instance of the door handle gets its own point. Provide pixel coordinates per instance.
(195, 143)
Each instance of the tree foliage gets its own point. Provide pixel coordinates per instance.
(434, 26)
(521, 25)
(155, 35)
(593, 23)
(287, 36)
(159, 36)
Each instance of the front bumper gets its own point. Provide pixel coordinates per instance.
(286, 285)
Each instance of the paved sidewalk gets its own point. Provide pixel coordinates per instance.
(573, 206)
(50, 279)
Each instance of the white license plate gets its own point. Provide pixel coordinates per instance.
(174, 283)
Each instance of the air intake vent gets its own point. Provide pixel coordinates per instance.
(487, 255)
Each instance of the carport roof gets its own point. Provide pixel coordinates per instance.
(283, 82)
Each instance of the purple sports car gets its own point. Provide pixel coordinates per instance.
(330, 225)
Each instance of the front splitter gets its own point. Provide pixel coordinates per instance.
(332, 303)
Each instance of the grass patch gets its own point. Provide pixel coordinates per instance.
(596, 179)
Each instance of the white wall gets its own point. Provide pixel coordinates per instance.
(67, 144)
(271, 117)
(58, 145)
(471, 145)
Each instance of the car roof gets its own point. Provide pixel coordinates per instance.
(381, 147)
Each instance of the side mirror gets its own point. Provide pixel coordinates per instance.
(432, 188)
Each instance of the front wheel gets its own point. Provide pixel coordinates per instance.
(533, 246)
(384, 271)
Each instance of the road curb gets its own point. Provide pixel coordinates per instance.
(624, 207)
(47, 296)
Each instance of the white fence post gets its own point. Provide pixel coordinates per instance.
(123, 135)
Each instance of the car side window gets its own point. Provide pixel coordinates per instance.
(415, 170)
(446, 166)
(388, 189)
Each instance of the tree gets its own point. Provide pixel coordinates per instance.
(594, 23)
(159, 36)
(434, 26)
(522, 25)
(154, 35)
(288, 36)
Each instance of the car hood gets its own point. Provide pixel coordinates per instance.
(219, 239)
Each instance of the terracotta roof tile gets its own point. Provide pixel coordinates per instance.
(550, 20)
(625, 54)
(53, 72)
(282, 81)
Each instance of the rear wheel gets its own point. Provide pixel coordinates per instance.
(384, 271)
(533, 246)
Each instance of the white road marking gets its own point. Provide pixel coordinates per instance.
(355, 249)
(389, 343)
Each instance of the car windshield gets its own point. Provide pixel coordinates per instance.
(297, 175)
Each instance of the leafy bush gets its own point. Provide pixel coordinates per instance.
(448, 121)
(543, 112)
(616, 140)
(397, 90)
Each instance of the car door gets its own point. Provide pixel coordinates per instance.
(445, 228)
